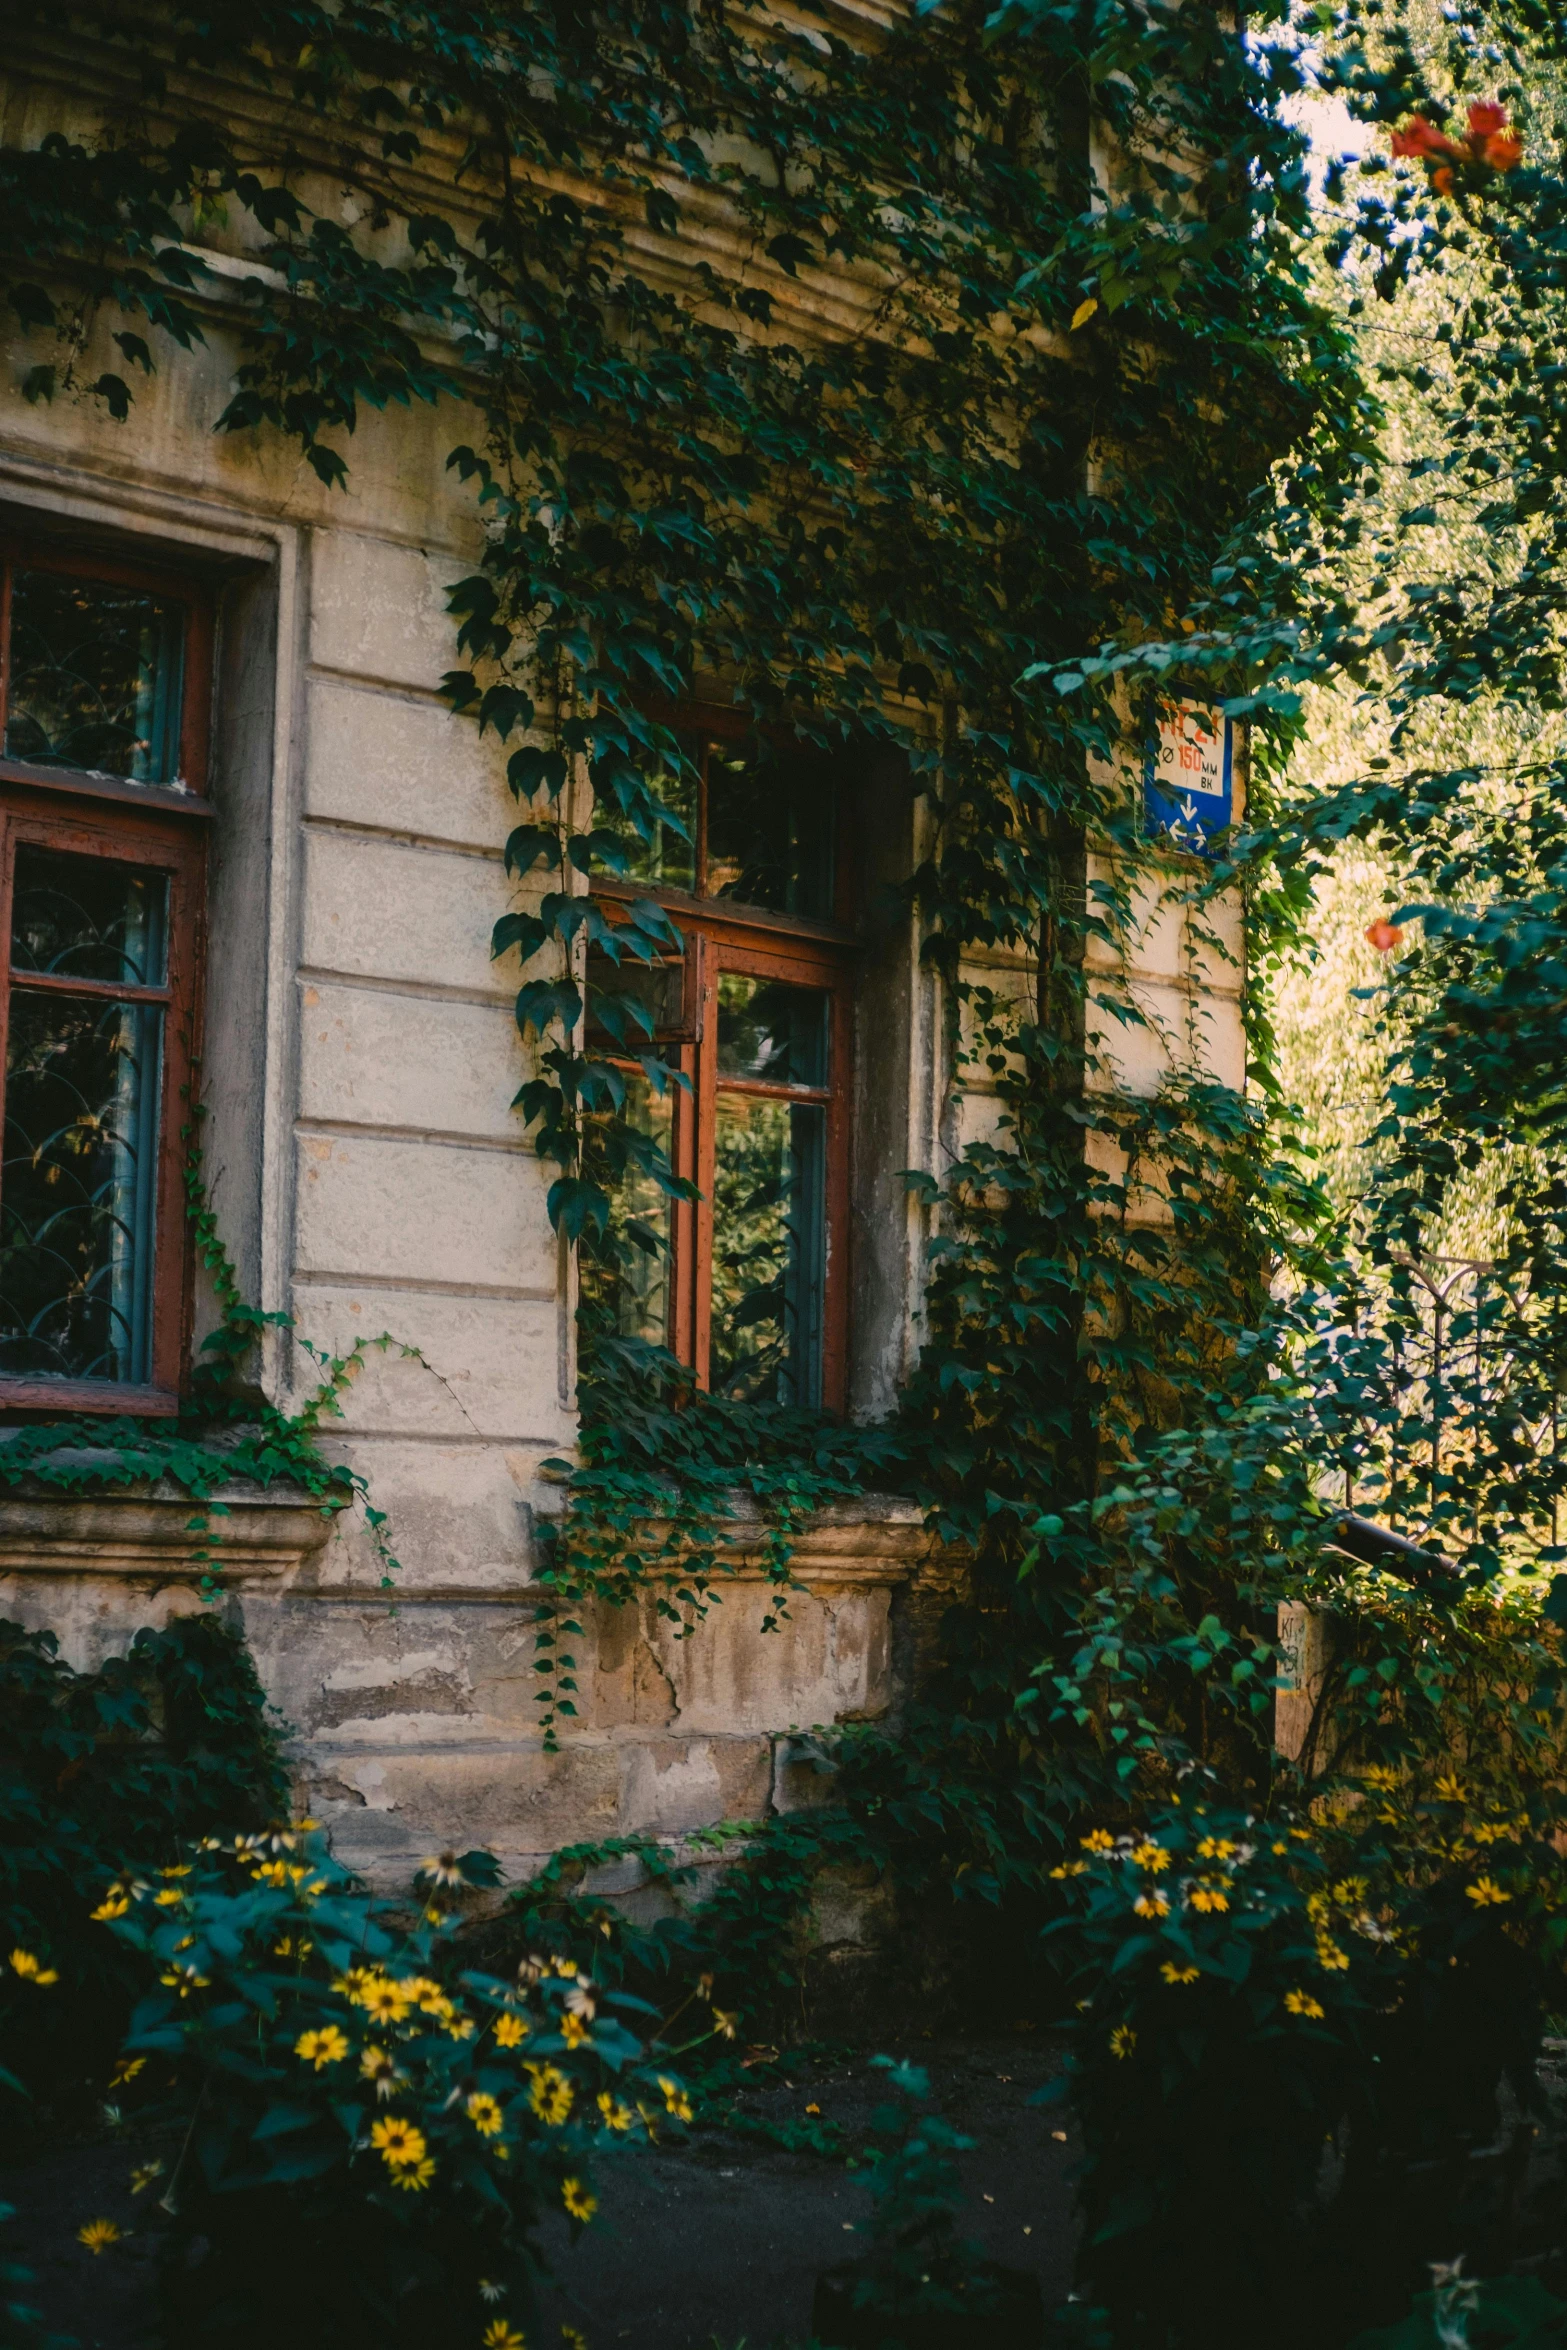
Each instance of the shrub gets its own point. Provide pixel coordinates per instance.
(1291, 2030)
(373, 2133)
(154, 1749)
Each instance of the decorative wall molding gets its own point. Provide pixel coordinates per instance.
(158, 1533)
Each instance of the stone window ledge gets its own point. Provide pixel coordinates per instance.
(146, 1531)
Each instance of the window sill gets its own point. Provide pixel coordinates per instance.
(718, 913)
(103, 1398)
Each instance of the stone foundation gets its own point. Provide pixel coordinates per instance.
(413, 1713)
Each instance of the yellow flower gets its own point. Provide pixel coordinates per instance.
(113, 1905)
(1279, 1848)
(573, 2030)
(1149, 1855)
(143, 2176)
(1151, 1905)
(126, 2068)
(322, 2048)
(1215, 1848)
(675, 2099)
(552, 2094)
(510, 2031)
(1449, 1788)
(1302, 2003)
(1122, 2040)
(387, 2002)
(185, 1980)
(415, 2178)
(1329, 1954)
(579, 2203)
(500, 2336)
(32, 1970)
(1070, 1868)
(272, 1872)
(1099, 1840)
(485, 2114)
(170, 1897)
(1485, 1891)
(378, 2065)
(1379, 1775)
(98, 2235)
(1179, 1974)
(1209, 1893)
(572, 2340)
(616, 2115)
(566, 1968)
(398, 2142)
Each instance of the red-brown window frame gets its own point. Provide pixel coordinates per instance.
(722, 935)
(161, 826)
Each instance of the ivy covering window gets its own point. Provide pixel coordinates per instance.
(102, 692)
(745, 1284)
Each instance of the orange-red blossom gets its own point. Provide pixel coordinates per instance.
(1490, 141)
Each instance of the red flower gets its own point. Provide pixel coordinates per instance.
(1384, 935)
(1503, 149)
(1421, 137)
(1442, 179)
(1486, 116)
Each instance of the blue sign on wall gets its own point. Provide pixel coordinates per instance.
(1189, 778)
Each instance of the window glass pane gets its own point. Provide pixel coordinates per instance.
(769, 1249)
(770, 830)
(78, 1188)
(668, 860)
(95, 677)
(625, 1272)
(88, 918)
(769, 1029)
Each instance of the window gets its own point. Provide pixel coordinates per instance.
(747, 1284)
(103, 686)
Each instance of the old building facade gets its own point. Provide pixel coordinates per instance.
(248, 846)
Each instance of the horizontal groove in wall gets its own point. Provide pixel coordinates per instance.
(430, 990)
(352, 829)
(317, 1277)
(373, 1131)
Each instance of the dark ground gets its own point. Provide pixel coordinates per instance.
(716, 2242)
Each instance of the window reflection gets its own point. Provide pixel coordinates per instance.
(769, 1249)
(78, 1188)
(88, 918)
(771, 1030)
(95, 676)
(769, 830)
(625, 1273)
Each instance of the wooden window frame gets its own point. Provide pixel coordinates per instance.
(157, 826)
(726, 935)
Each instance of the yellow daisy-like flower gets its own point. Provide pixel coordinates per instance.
(1179, 1974)
(570, 2339)
(98, 2235)
(386, 2002)
(170, 1897)
(1209, 1895)
(31, 1969)
(1151, 1856)
(1302, 2003)
(1449, 1788)
(1329, 1955)
(1215, 1848)
(113, 1905)
(271, 1872)
(1098, 1840)
(573, 2030)
(126, 2068)
(414, 2179)
(485, 2114)
(398, 2142)
(322, 2048)
(1485, 1892)
(567, 1968)
(498, 2335)
(143, 2176)
(380, 2066)
(1070, 1868)
(1278, 1848)
(579, 2203)
(1122, 2040)
(185, 1980)
(675, 2099)
(510, 2031)
(616, 2116)
(552, 2094)
(1151, 1905)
